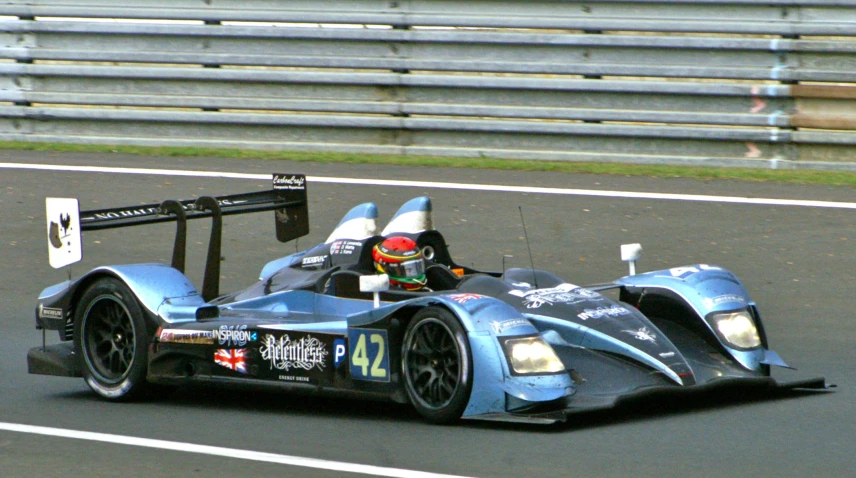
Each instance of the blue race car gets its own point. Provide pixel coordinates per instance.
(521, 344)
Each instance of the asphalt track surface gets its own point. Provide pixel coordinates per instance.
(797, 262)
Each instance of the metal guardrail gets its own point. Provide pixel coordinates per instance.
(735, 82)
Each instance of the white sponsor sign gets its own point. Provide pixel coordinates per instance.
(305, 353)
(63, 228)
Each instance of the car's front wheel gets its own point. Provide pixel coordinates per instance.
(111, 340)
(437, 365)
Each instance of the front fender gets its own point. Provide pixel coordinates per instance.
(488, 321)
(705, 290)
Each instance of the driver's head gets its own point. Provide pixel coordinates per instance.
(400, 259)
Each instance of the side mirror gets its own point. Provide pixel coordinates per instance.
(631, 253)
(374, 284)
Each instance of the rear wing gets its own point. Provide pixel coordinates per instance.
(288, 198)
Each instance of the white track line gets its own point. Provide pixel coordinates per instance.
(222, 452)
(439, 185)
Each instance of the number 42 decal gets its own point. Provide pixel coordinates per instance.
(369, 354)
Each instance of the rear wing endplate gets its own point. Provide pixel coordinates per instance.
(288, 198)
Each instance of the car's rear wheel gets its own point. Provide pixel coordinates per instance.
(437, 365)
(111, 339)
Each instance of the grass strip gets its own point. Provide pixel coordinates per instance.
(798, 176)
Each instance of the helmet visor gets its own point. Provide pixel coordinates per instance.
(405, 269)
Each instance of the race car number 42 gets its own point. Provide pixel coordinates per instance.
(369, 354)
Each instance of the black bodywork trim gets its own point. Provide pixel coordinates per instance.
(592, 403)
(179, 248)
(110, 218)
(58, 360)
(288, 198)
(211, 281)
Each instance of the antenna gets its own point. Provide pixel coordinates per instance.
(526, 236)
(505, 256)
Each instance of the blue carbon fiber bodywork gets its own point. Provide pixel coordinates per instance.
(169, 295)
(412, 217)
(558, 333)
(707, 290)
(363, 211)
(703, 287)
(418, 204)
(486, 320)
(158, 287)
(271, 267)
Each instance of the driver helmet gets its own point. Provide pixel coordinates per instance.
(400, 259)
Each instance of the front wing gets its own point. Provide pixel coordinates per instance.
(733, 388)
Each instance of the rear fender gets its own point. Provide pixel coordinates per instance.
(156, 287)
(702, 290)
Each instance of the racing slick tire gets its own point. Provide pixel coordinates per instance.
(437, 365)
(111, 339)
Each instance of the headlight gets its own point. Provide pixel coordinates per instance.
(737, 328)
(531, 355)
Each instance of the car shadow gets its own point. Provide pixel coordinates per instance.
(266, 400)
(208, 397)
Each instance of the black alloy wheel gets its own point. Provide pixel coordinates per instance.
(437, 365)
(111, 339)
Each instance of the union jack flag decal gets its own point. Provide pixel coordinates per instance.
(462, 298)
(233, 359)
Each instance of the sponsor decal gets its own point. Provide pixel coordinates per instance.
(667, 354)
(684, 272)
(60, 230)
(340, 351)
(345, 248)
(522, 285)
(233, 359)
(313, 261)
(284, 353)
(601, 312)
(281, 216)
(181, 336)
(561, 294)
(134, 212)
(463, 298)
(222, 202)
(234, 335)
(500, 327)
(644, 334)
(50, 312)
(289, 181)
(188, 206)
(710, 302)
